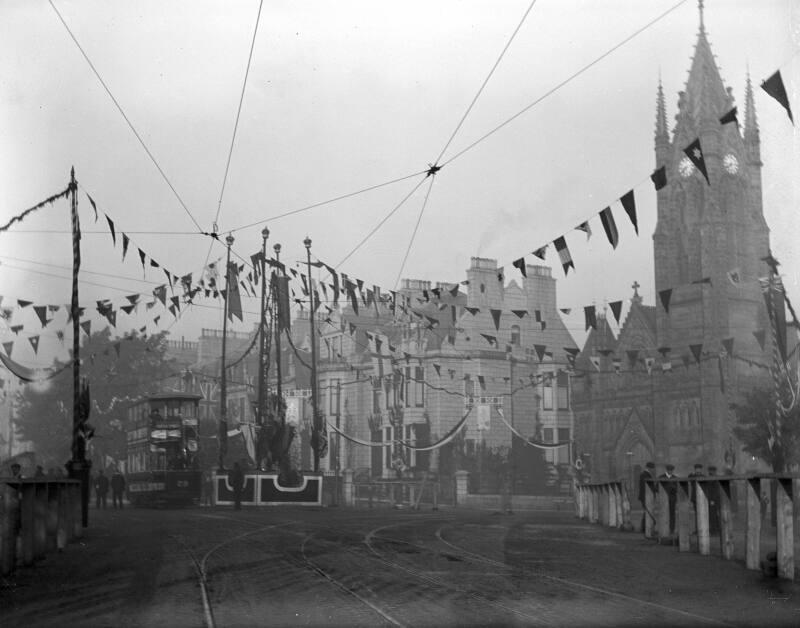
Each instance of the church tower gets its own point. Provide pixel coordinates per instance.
(710, 237)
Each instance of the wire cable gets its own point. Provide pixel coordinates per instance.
(564, 82)
(416, 227)
(127, 120)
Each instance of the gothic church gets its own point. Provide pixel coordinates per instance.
(662, 389)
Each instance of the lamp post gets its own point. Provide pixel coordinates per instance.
(262, 342)
(277, 325)
(223, 382)
(316, 427)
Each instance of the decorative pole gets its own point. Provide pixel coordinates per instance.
(262, 343)
(223, 380)
(275, 305)
(78, 467)
(316, 429)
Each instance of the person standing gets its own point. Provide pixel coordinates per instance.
(672, 495)
(237, 484)
(101, 490)
(647, 474)
(117, 488)
(713, 503)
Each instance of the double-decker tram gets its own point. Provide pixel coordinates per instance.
(163, 450)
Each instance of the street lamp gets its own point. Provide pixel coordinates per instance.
(316, 422)
(223, 383)
(262, 343)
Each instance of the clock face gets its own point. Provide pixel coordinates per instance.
(685, 167)
(730, 163)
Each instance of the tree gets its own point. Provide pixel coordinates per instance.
(117, 369)
(757, 416)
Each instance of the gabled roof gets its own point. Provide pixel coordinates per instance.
(600, 339)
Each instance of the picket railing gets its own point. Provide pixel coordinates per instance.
(608, 503)
(36, 517)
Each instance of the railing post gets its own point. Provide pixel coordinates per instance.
(725, 520)
(701, 506)
(626, 508)
(683, 516)
(347, 487)
(9, 520)
(52, 515)
(650, 488)
(752, 551)
(39, 518)
(595, 514)
(612, 505)
(785, 529)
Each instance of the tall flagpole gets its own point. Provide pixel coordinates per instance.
(317, 428)
(223, 382)
(262, 329)
(78, 466)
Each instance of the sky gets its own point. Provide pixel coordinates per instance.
(349, 95)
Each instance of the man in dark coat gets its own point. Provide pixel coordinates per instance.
(647, 474)
(237, 484)
(672, 495)
(117, 488)
(101, 490)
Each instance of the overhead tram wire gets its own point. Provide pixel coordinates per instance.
(485, 81)
(327, 202)
(564, 82)
(125, 117)
(416, 227)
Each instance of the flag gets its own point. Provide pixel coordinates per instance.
(41, 312)
(280, 285)
(438, 369)
(125, 242)
(659, 178)
(233, 298)
(7, 347)
(735, 276)
(584, 226)
(697, 351)
(629, 205)
(590, 317)
(616, 309)
(563, 253)
(540, 252)
(86, 326)
(519, 313)
(774, 87)
(665, 295)
(540, 350)
(492, 340)
(484, 417)
(142, 257)
(496, 318)
(94, 205)
(520, 263)
(111, 228)
(729, 116)
(695, 154)
(610, 226)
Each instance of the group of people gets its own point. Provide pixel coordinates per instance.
(671, 488)
(102, 484)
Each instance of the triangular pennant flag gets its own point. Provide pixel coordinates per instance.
(659, 178)
(454, 291)
(154, 263)
(590, 317)
(697, 350)
(161, 294)
(565, 310)
(664, 351)
(760, 337)
(173, 311)
(176, 302)
(610, 226)
(60, 335)
(584, 226)
(127, 308)
(496, 318)
(169, 277)
(774, 87)
(482, 382)
(492, 340)
(520, 263)
(664, 295)
(540, 252)
(595, 361)
(605, 352)
(125, 242)
(111, 228)
(352, 328)
(727, 343)
(41, 312)
(23, 304)
(520, 313)
(616, 309)
(86, 326)
(695, 154)
(112, 318)
(563, 254)
(473, 310)
(629, 205)
(633, 355)
(93, 204)
(729, 117)
(142, 257)
(540, 349)
(438, 369)
(8, 347)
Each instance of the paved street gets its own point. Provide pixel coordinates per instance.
(338, 567)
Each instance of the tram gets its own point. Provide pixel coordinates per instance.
(163, 450)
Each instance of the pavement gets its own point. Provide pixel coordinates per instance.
(359, 567)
